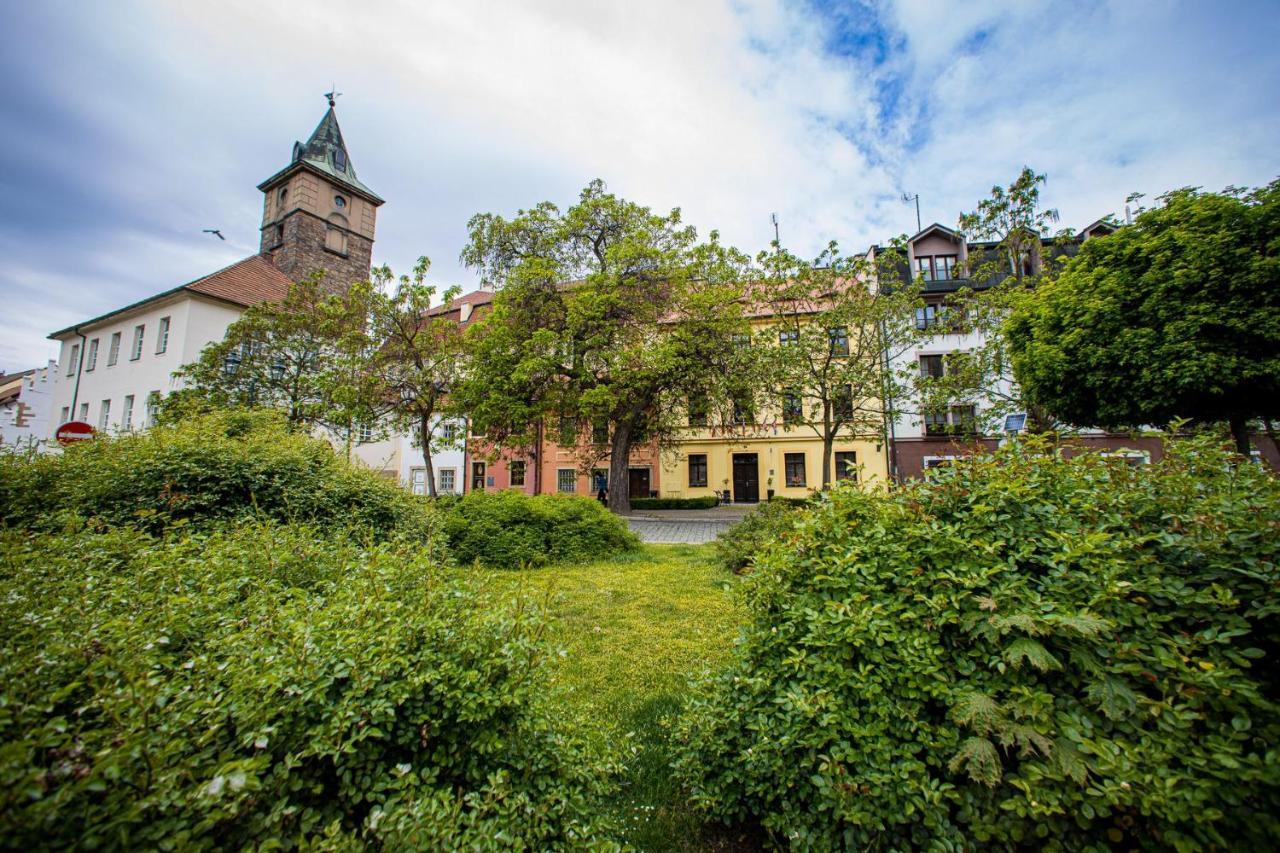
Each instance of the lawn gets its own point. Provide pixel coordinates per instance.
(632, 630)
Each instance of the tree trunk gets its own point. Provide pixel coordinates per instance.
(828, 442)
(423, 423)
(619, 459)
(1240, 432)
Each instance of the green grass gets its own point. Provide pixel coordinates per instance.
(633, 630)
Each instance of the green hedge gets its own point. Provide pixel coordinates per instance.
(265, 685)
(506, 529)
(737, 547)
(1022, 651)
(215, 466)
(675, 503)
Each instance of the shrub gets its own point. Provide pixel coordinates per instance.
(507, 529)
(267, 685)
(709, 502)
(213, 466)
(736, 547)
(1024, 650)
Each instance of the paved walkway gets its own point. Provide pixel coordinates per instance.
(685, 526)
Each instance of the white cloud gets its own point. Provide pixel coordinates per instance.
(730, 110)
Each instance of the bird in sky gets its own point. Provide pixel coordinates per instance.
(215, 231)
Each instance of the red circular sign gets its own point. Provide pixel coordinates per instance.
(73, 431)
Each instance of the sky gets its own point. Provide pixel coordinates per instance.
(129, 127)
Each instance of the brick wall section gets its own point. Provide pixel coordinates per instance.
(302, 251)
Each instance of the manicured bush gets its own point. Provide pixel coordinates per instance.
(214, 466)
(1023, 651)
(708, 502)
(769, 522)
(507, 529)
(265, 685)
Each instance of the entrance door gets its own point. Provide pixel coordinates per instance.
(638, 485)
(746, 478)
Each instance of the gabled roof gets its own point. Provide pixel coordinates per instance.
(929, 229)
(325, 152)
(246, 282)
(1104, 222)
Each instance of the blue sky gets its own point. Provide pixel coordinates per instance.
(129, 127)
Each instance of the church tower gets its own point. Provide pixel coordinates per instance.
(316, 214)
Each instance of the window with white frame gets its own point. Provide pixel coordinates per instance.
(931, 462)
(113, 353)
(126, 412)
(91, 359)
(75, 357)
(944, 267)
(1129, 457)
(136, 353)
(418, 480)
(162, 336)
(448, 431)
(104, 414)
(153, 408)
(567, 480)
(65, 416)
(448, 480)
(364, 433)
(84, 412)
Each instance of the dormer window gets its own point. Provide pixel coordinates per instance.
(339, 202)
(340, 160)
(944, 267)
(924, 266)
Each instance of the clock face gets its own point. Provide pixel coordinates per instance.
(339, 201)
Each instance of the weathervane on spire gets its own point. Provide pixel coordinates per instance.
(333, 95)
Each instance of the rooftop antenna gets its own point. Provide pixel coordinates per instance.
(773, 217)
(907, 198)
(333, 94)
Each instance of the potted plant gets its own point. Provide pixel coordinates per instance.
(769, 489)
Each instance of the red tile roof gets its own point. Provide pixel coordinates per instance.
(247, 282)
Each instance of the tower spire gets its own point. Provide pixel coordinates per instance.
(332, 96)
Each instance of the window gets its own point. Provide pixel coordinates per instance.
(104, 414)
(789, 336)
(91, 360)
(935, 423)
(277, 235)
(284, 194)
(73, 361)
(846, 465)
(162, 336)
(517, 472)
(926, 316)
(698, 409)
(697, 470)
(153, 407)
(743, 411)
(600, 432)
(924, 266)
(65, 416)
(126, 413)
(477, 476)
(335, 236)
(448, 431)
(339, 202)
(418, 480)
(964, 419)
(84, 412)
(136, 352)
(795, 470)
(568, 430)
(113, 354)
(931, 367)
(839, 340)
(741, 340)
(792, 407)
(843, 402)
(448, 480)
(931, 462)
(340, 159)
(944, 267)
(567, 480)
(364, 433)
(1133, 458)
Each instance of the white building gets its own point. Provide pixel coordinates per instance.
(398, 455)
(26, 406)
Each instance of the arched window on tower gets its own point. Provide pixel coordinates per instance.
(335, 238)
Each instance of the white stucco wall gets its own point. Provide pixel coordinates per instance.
(194, 322)
(397, 456)
(27, 420)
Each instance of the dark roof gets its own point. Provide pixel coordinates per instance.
(325, 152)
(246, 282)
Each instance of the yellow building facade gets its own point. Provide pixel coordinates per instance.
(767, 456)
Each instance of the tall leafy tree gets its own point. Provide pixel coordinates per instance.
(1177, 316)
(832, 338)
(418, 359)
(307, 354)
(607, 314)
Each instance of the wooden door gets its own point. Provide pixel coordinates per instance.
(638, 485)
(746, 478)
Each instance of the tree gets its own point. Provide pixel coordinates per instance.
(607, 314)
(418, 359)
(1013, 228)
(1177, 316)
(836, 336)
(307, 354)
